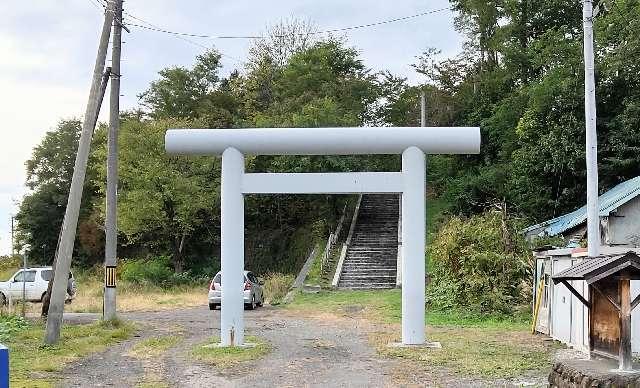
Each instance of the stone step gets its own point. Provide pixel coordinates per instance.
(358, 268)
(372, 255)
(370, 262)
(372, 271)
(367, 286)
(365, 248)
(367, 279)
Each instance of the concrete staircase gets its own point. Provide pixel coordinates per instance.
(371, 258)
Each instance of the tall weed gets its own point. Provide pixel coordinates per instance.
(276, 286)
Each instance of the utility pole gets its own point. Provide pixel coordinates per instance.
(111, 226)
(593, 218)
(423, 109)
(47, 298)
(13, 250)
(70, 222)
(24, 284)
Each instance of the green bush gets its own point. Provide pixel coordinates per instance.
(479, 264)
(158, 272)
(11, 324)
(155, 271)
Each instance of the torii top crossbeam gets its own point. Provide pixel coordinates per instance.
(324, 141)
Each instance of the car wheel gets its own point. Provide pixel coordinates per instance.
(44, 295)
(213, 306)
(3, 299)
(252, 305)
(259, 304)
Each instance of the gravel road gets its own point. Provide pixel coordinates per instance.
(306, 353)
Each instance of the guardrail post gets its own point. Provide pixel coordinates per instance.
(4, 367)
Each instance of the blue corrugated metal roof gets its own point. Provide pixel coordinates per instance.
(607, 203)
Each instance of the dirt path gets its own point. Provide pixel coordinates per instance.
(306, 353)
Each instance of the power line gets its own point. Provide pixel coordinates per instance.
(185, 35)
(195, 35)
(153, 27)
(329, 31)
(389, 21)
(97, 4)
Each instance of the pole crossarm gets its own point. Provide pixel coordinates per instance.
(322, 183)
(324, 141)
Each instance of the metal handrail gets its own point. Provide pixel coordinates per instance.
(333, 238)
(345, 246)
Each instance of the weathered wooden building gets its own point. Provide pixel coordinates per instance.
(608, 280)
(562, 315)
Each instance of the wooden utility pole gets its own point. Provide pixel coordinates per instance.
(70, 222)
(13, 251)
(111, 226)
(47, 297)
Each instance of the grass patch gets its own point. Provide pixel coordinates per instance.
(385, 306)
(491, 353)
(230, 356)
(33, 364)
(132, 297)
(315, 273)
(153, 347)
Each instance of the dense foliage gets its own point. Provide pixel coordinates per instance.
(521, 78)
(479, 263)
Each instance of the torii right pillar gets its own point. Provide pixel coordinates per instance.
(413, 248)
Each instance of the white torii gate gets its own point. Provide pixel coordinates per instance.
(411, 142)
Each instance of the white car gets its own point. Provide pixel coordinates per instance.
(35, 282)
(253, 292)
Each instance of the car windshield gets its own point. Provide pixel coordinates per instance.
(218, 278)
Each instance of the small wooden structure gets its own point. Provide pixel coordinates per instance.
(609, 304)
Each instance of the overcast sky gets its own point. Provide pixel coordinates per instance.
(47, 51)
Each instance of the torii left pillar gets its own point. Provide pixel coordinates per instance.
(232, 248)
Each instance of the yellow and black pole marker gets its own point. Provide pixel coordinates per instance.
(110, 276)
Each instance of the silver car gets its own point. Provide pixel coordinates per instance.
(253, 292)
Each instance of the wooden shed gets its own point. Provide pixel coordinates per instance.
(610, 305)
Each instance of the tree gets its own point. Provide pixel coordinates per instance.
(521, 79)
(163, 199)
(282, 41)
(41, 211)
(195, 93)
